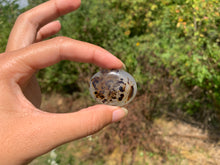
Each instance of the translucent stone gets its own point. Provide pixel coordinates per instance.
(113, 87)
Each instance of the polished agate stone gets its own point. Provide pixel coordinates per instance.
(113, 87)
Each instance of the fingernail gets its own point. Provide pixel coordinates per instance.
(123, 66)
(119, 114)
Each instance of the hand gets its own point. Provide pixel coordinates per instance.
(25, 131)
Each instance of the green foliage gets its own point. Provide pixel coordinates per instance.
(178, 40)
(191, 51)
(8, 13)
(33, 3)
(185, 37)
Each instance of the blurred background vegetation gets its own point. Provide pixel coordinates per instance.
(172, 48)
(175, 43)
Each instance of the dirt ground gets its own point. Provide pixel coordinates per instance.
(191, 142)
(138, 139)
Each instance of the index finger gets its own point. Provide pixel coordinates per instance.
(46, 53)
(26, 26)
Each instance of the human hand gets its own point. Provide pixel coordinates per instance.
(25, 131)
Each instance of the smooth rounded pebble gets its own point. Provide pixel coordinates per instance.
(113, 87)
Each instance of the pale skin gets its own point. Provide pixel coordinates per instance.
(26, 132)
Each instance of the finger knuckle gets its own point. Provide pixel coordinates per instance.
(60, 39)
(96, 123)
(24, 17)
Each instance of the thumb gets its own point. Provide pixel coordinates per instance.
(51, 130)
(79, 124)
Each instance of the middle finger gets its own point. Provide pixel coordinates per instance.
(26, 26)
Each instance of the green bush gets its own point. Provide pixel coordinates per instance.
(175, 43)
(8, 14)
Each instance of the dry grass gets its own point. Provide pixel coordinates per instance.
(139, 139)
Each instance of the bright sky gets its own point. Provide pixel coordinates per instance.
(23, 3)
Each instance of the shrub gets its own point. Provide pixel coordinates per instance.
(175, 41)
